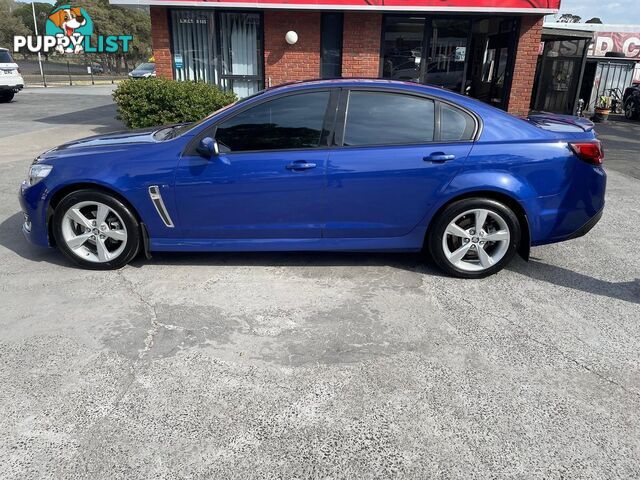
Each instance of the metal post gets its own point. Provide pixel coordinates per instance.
(35, 29)
(69, 72)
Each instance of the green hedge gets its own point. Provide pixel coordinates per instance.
(157, 101)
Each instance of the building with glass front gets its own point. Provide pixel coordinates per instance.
(482, 48)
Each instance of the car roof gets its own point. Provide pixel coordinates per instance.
(354, 82)
(5, 49)
(379, 83)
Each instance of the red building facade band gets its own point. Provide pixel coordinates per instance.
(485, 49)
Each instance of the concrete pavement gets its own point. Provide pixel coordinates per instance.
(317, 365)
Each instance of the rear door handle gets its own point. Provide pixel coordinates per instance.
(439, 157)
(300, 165)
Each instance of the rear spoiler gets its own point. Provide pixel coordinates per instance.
(560, 123)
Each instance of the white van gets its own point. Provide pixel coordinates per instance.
(10, 79)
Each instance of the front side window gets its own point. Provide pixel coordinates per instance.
(375, 118)
(294, 121)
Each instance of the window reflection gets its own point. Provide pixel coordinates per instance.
(290, 122)
(388, 118)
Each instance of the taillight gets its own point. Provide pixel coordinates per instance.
(590, 152)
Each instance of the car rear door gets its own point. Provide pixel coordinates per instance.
(395, 153)
(269, 179)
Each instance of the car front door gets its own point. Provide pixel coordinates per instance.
(268, 180)
(395, 152)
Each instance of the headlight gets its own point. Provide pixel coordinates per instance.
(37, 172)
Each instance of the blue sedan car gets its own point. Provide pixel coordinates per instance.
(341, 165)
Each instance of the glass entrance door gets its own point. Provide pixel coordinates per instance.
(469, 55)
(240, 49)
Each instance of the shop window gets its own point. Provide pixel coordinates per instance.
(331, 45)
(447, 53)
(294, 121)
(193, 45)
(402, 46)
(222, 48)
(388, 118)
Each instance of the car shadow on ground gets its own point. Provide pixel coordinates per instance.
(412, 262)
(11, 238)
(563, 277)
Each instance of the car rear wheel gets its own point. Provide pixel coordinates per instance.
(96, 230)
(6, 96)
(630, 111)
(474, 238)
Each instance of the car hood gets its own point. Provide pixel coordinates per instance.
(110, 140)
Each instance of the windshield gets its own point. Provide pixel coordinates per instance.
(168, 133)
(145, 67)
(5, 57)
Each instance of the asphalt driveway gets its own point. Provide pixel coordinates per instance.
(314, 365)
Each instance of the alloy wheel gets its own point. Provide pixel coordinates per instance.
(94, 232)
(476, 240)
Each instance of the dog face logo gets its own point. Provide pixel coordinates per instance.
(69, 21)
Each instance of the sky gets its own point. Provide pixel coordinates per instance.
(610, 11)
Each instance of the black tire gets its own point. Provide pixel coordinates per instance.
(131, 245)
(449, 214)
(631, 111)
(6, 96)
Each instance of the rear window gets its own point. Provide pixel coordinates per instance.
(5, 57)
(376, 118)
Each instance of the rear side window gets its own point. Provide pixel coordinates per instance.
(5, 57)
(375, 118)
(294, 121)
(455, 124)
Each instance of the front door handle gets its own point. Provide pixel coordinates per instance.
(300, 165)
(439, 157)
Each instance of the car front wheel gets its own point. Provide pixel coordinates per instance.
(474, 238)
(630, 111)
(96, 230)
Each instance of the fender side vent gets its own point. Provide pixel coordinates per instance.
(156, 198)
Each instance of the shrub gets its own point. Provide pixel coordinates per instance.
(157, 101)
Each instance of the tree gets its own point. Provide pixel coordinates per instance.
(594, 20)
(25, 13)
(10, 26)
(569, 18)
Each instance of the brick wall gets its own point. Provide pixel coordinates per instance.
(160, 41)
(525, 65)
(361, 44)
(284, 62)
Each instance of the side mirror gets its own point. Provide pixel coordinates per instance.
(208, 148)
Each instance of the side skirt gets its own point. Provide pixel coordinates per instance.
(409, 243)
